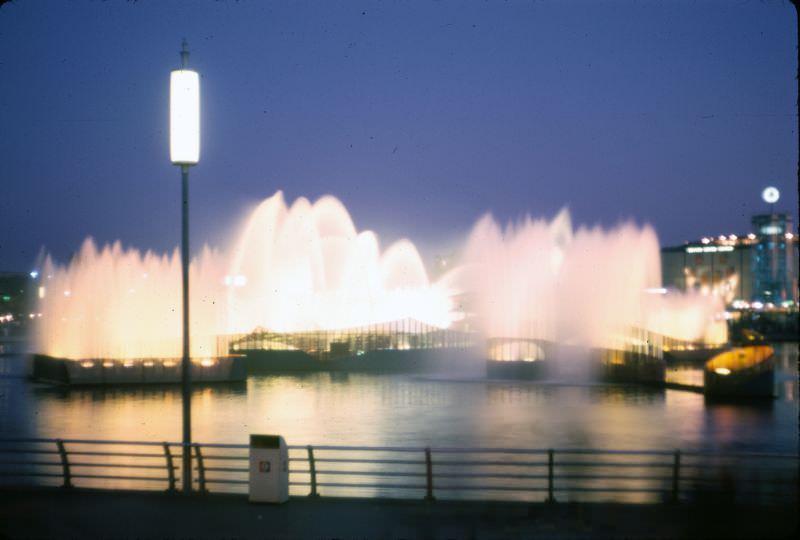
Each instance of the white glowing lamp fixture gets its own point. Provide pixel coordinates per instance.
(184, 117)
(771, 195)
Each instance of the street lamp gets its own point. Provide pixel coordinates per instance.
(184, 150)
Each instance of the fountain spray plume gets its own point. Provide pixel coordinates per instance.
(540, 282)
(297, 268)
(113, 302)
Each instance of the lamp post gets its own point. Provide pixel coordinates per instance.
(184, 151)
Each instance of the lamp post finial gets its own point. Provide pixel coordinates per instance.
(184, 53)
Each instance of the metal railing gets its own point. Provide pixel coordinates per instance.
(545, 474)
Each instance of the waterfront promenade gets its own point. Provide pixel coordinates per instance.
(45, 513)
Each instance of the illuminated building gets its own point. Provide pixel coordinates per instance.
(759, 268)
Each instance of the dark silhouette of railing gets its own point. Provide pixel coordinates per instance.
(545, 474)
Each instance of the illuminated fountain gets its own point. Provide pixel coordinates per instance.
(297, 269)
(306, 267)
(545, 291)
(302, 277)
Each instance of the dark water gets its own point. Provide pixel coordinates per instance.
(405, 410)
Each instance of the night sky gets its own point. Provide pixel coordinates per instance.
(419, 116)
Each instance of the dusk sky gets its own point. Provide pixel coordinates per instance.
(419, 116)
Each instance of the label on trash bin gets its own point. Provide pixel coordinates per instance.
(263, 466)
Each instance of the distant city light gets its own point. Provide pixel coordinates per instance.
(722, 371)
(771, 195)
(708, 249)
(705, 240)
(34, 274)
(41, 292)
(751, 236)
(789, 236)
(733, 237)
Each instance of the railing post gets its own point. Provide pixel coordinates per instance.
(64, 464)
(170, 469)
(676, 476)
(201, 470)
(429, 475)
(550, 497)
(312, 467)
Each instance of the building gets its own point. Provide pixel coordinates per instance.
(760, 267)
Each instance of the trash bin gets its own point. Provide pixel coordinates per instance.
(269, 469)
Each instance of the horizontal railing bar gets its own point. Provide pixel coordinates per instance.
(339, 484)
(226, 481)
(610, 464)
(356, 460)
(593, 451)
(41, 463)
(373, 473)
(117, 454)
(448, 450)
(91, 441)
(21, 451)
(228, 458)
(227, 469)
(363, 448)
(492, 475)
(464, 487)
(612, 489)
(451, 463)
(116, 477)
(685, 453)
(20, 473)
(608, 477)
(122, 466)
(692, 453)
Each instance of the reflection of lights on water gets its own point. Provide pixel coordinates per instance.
(127, 363)
(722, 371)
(87, 364)
(169, 363)
(108, 364)
(148, 364)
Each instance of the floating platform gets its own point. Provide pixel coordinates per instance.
(92, 372)
(265, 362)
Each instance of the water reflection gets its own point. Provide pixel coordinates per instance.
(368, 409)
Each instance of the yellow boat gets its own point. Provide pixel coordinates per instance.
(741, 372)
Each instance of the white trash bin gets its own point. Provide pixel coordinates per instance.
(269, 469)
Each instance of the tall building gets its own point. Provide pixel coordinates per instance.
(758, 267)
